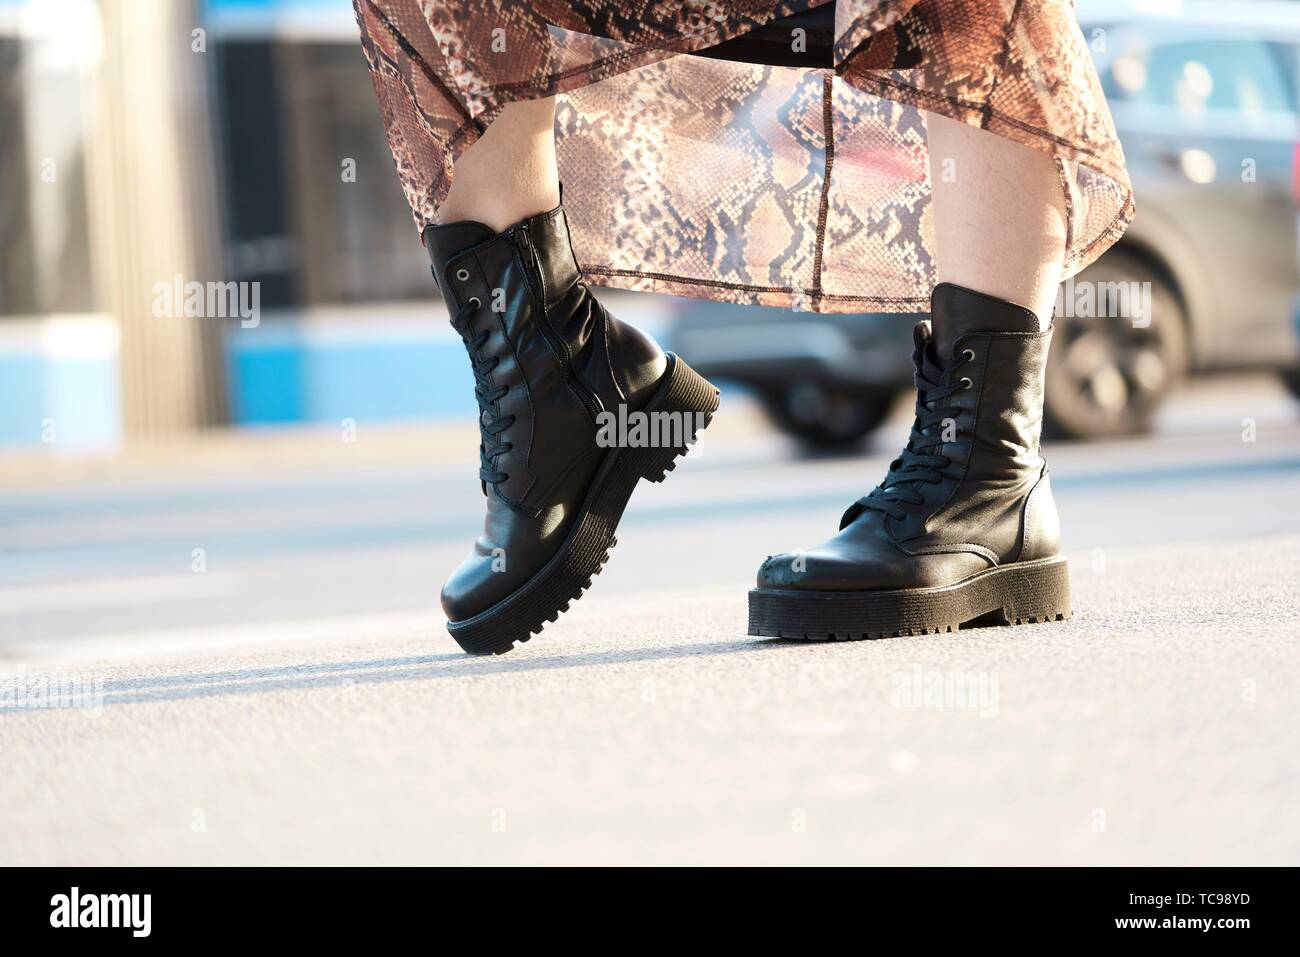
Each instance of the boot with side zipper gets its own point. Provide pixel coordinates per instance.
(552, 370)
(963, 529)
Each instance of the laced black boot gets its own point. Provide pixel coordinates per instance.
(963, 529)
(575, 408)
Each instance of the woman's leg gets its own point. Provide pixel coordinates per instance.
(999, 215)
(510, 172)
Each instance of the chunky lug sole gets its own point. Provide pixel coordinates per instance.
(1013, 594)
(568, 574)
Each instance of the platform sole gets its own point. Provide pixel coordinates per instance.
(563, 579)
(1014, 594)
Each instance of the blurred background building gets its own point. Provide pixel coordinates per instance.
(221, 141)
(237, 141)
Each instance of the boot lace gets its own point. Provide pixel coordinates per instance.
(922, 461)
(490, 423)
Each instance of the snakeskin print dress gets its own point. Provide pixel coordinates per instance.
(787, 186)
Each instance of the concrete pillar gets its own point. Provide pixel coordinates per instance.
(154, 210)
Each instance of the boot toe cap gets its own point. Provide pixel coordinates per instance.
(814, 570)
(459, 603)
(472, 589)
(781, 571)
(872, 569)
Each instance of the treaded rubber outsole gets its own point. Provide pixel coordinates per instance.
(563, 579)
(1014, 594)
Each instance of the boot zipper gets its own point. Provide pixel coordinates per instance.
(523, 242)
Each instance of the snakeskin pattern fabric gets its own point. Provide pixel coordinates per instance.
(781, 186)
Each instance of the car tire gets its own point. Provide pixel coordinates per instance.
(1107, 376)
(826, 417)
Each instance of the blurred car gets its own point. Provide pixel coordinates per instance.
(1204, 96)
(828, 380)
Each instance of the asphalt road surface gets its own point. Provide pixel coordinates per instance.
(245, 664)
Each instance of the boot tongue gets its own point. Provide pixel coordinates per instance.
(445, 242)
(956, 311)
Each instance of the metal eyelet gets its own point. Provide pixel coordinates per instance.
(462, 275)
(478, 303)
(966, 383)
(968, 355)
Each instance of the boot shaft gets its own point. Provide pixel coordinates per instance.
(534, 256)
(560, 357)
(998, 348)
(973, 459)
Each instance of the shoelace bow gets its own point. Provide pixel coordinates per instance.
(490, 425)
(920, 462)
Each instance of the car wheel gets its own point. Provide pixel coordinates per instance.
(827, 417)
(1108, 375)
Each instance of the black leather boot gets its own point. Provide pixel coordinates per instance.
(963, 529)
(555, 378)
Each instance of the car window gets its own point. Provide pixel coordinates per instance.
(1245, 76)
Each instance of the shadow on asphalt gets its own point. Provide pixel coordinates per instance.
(341, 674)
